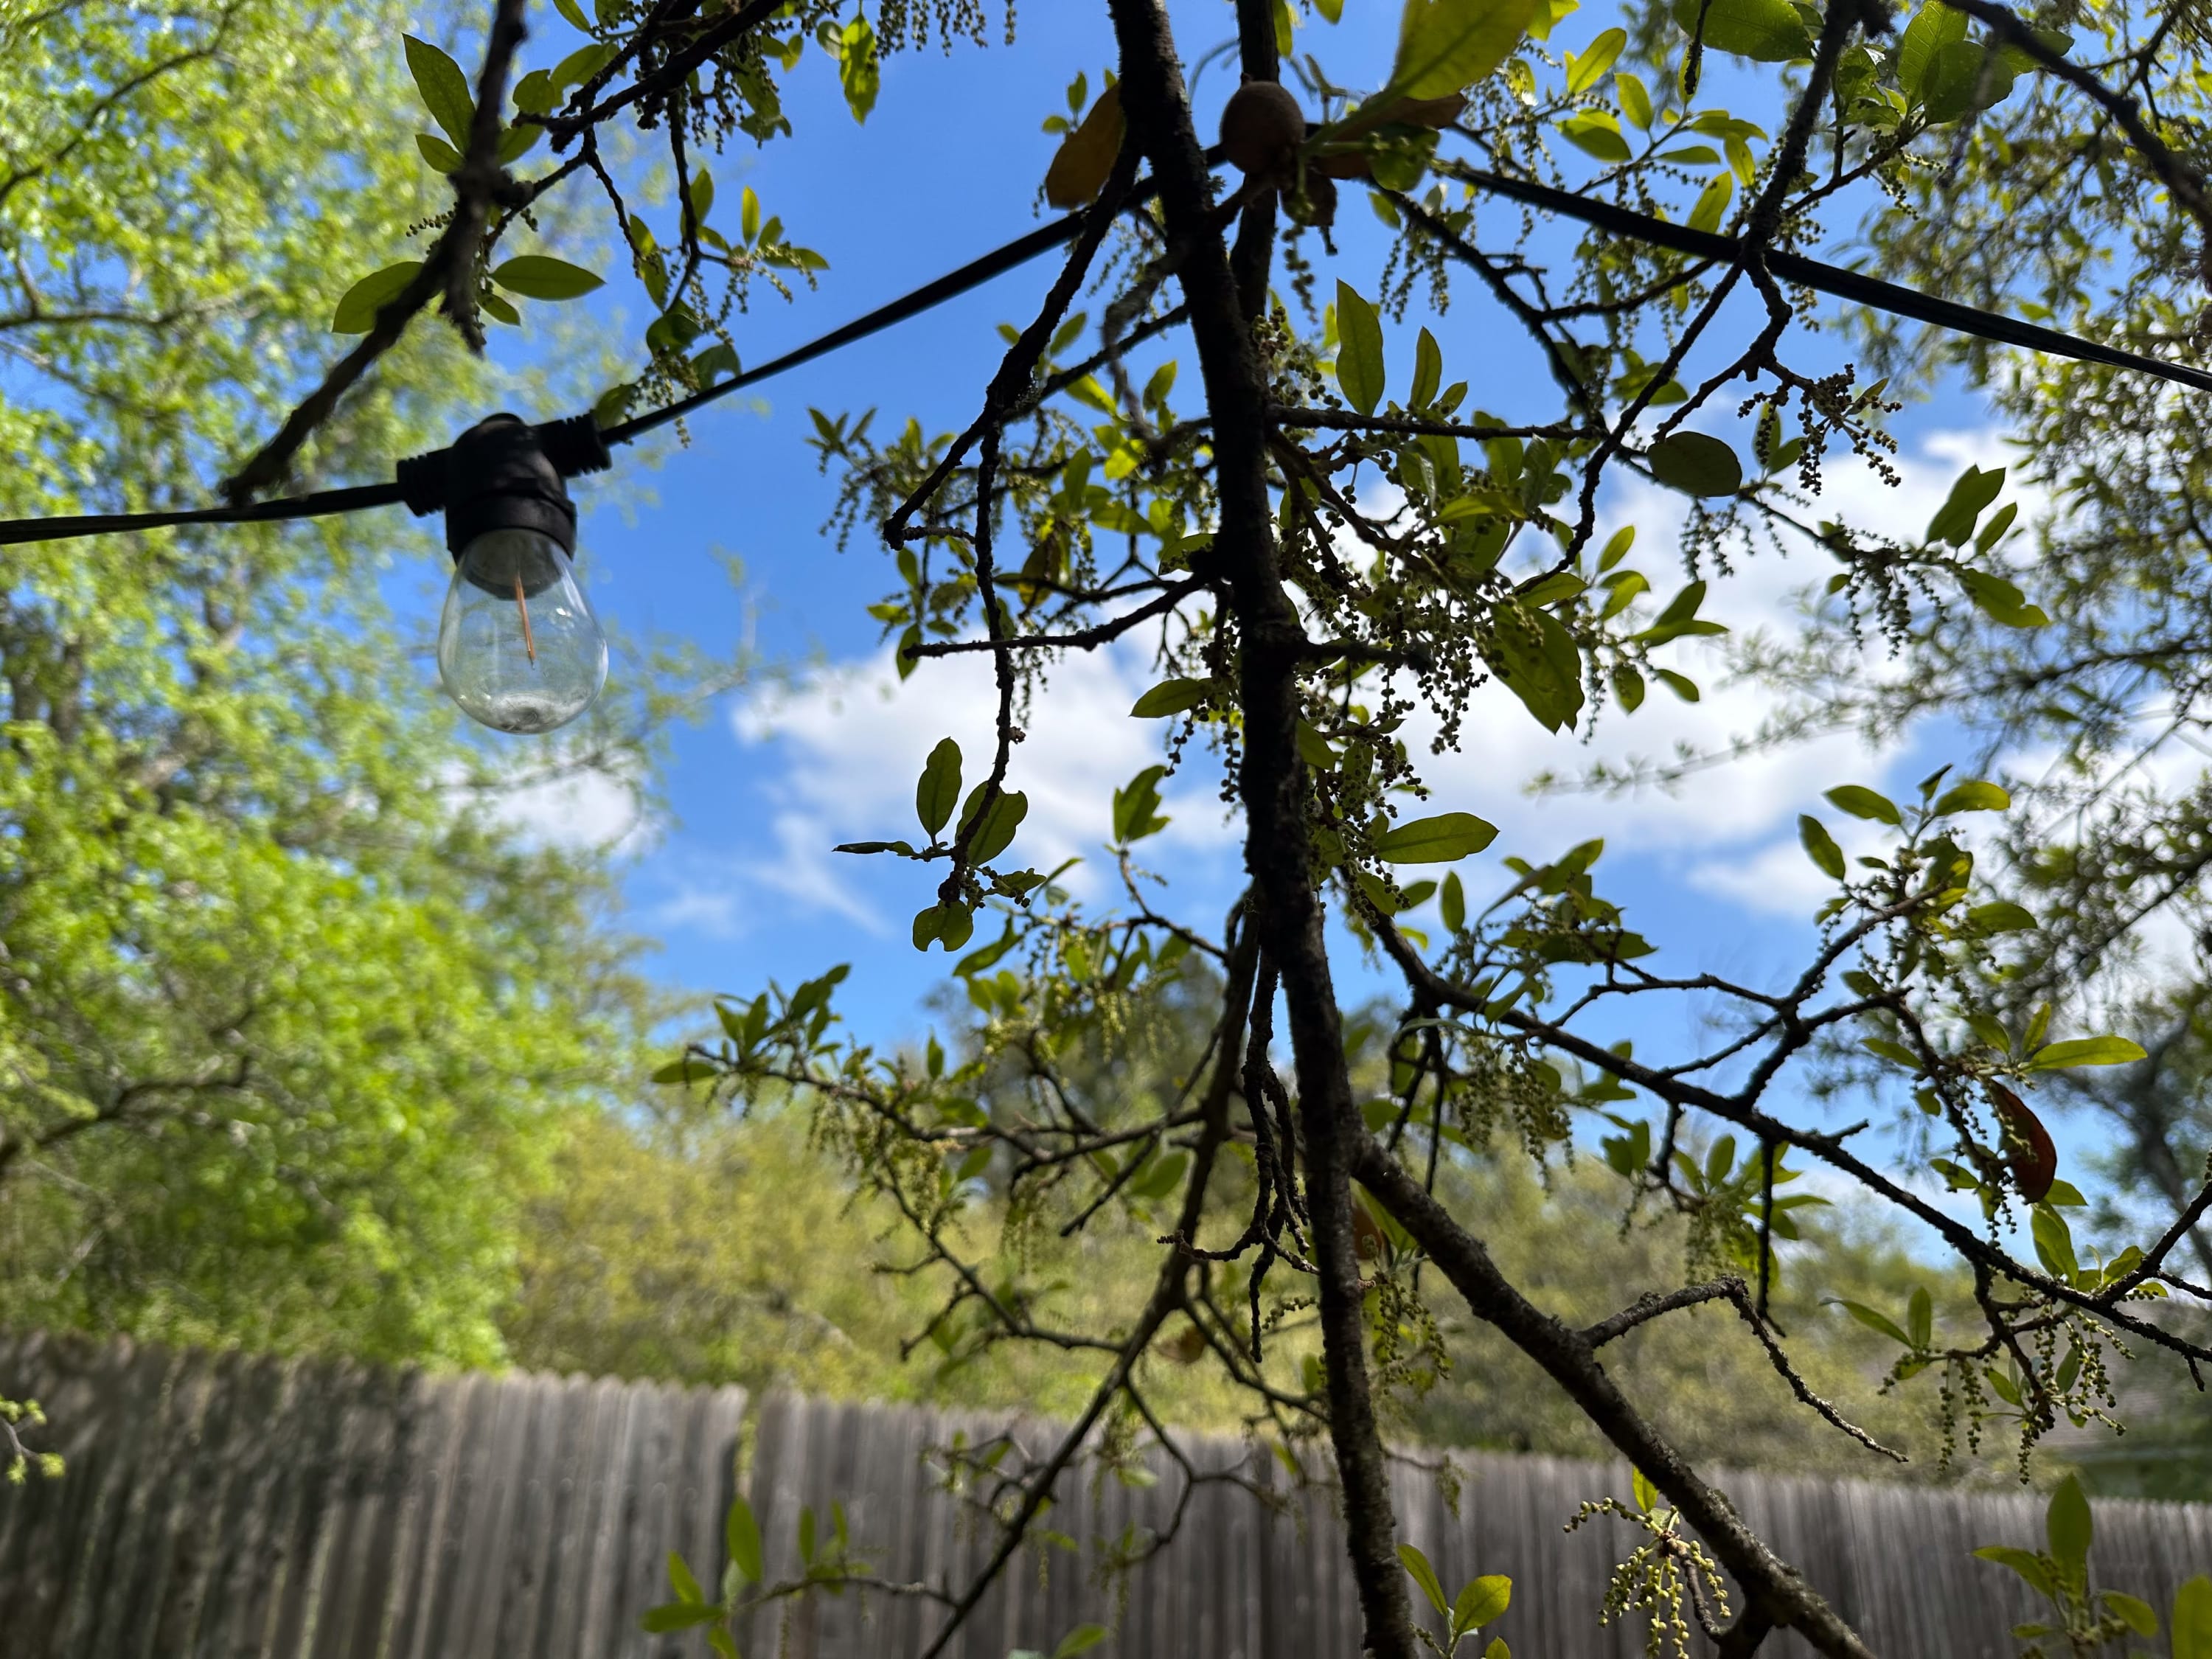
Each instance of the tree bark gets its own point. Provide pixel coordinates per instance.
(1776, 1592)
(1273, 785)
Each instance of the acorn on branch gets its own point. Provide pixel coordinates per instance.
(1260, 131)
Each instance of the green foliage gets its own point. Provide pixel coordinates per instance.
(1106, 1199)
(1444, 46)
(1482, 1601)
(18, 1459)
(2086, 1620)
(288, 1016)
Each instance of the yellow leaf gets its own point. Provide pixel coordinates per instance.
(1078, 172)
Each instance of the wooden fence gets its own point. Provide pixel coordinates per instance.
(225, 1507)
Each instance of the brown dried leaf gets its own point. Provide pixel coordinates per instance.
(2028, 1146)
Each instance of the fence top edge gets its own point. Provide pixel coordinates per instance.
(76, 1355)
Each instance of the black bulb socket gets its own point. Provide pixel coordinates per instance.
(505, 474)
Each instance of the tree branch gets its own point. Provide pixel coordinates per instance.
(1273, 785)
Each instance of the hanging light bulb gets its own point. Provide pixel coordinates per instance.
(518, 646)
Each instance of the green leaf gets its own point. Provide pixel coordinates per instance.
(1359, 350)
(1540, 663)
(1445, 46)
(1443, 839)
(1966, 77)
(679, 1616)
(1170, 697)
(1482, 1601)
(681, 1581)
(1973, 796)
(1428, 371)
(2139, 1616)
(857, 69)
(1934, 26)
(2001, 601)
(582, 64)
(516, 142)
(1587, 70)
(2028, 1565)
(725, 1644)
(1820, 847)
(441, 155)
(2085, 1051)
(1681, 617)
(1081, 1640)
(2192, 1619)
(2002, 916)
(1873, 1321)
(2068, 1527)
(1635, 99)
(357, 309)
(952, 925)
(1864, 803)
(938, 788)
(445, 89)
(1597, 135)
(1162, 1177)
(541, 276)
(1646, 1494)
(1920, 1317)
(1452, 907)
(1137, 806)
(741, 1539)
(534, 93)
(995, 833)
(1764, 31)
(2054, 1243)
(1695, 463)
(1954, 520)
(1711, 209)
(1417, 1565)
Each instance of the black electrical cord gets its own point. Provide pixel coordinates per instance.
(1603, 215)
(1833, 279)
(324, 503)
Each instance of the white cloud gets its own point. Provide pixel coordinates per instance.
(584, 811)
(1737, 806)
(723, 898)
(853, 739)
(1777, 878)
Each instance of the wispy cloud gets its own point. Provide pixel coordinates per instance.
(843, 750)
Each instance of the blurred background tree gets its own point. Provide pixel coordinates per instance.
(290, 1013)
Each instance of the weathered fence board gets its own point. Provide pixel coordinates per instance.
(226, 1508)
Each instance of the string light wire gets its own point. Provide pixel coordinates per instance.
(1854, 286)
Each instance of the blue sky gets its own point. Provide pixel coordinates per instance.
(737, 883)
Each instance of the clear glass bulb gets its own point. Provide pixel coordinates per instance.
(517, 647)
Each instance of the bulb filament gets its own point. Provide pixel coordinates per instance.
(522, 605)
